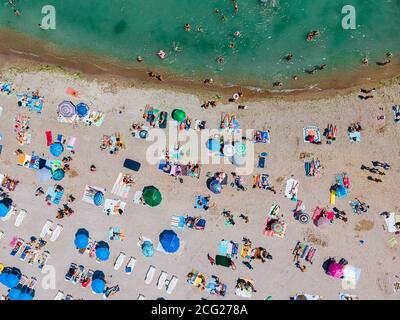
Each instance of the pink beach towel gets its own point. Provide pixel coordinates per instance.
(72, 92)
(71, 143)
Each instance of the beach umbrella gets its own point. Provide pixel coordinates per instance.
(143, 134)
(102, 251)
(341, 192)
(213, 145)
(303, 218)
(240, 148)
(56, 149)
(25, 296)
(169, 241)
(335, 270)
(215, 186)
(43, 174)
(323, 222)
(277, 227)
(66, 109)
(58, 175)
(147, 249)
(238, 161)
(178, 115)
(229, 150)
(4, 210)
(11, 279)
(82, 109)
(81, 239)
(14, 293)
(98, 285)
(152, 196)
(98, 198)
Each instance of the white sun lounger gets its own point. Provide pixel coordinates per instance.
(161, 280)
(1, 234)
(130, 265)
(141, 297)
(46, 228)
(20, 217)
(59, 295)
(150, 275)
(172, 284)
(120, 260)
(56, 233)
(137, 196)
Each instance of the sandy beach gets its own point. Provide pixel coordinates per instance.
(285, 118)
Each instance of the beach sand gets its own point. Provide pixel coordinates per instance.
(278, 278)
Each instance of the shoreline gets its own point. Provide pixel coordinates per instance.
(21, 51)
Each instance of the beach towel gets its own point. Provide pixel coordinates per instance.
(6, 88)
(390, 222)
(261, 136)
(261, 162)
(113, 207)
(72, 92)
(49, 138)
(291, 190)
(71, 144)
(354, 136)
(89, 193)
(311, 131)
(178, 222)
(32, 103)
(274, 211)
(223, 261)
(120, 188)
(203, 201)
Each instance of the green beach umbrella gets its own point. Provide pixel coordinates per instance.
(152, 196)
(240, 149)
(178, 115)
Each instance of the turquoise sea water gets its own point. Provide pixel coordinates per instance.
(124, 29)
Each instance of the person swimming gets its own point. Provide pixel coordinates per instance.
(312, 35)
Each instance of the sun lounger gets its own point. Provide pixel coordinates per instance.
(59, 295)
(172, 284)
(69, 297)
(70, 272)
(291, 189)
(43, 259)
(130, 265)
(77, 274)
(120, 260)
(20, 217)
(150, 275)
(390, 222)
(161, 280)
(25, 252)
(141, 297)
(56, 233)
(46, 228)
(1, 234)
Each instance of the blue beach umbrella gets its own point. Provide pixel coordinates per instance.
(169, 241)
(11, 279)
(25, 296)
(56, 149)
(98, 285)
(82, 109)
(341, 192)
(98, 198)
(81, 241)
(215, 186)
(14, 293)
(147, 249)
(213, 145)
(4, 210)
(102, 251)
(58, 175)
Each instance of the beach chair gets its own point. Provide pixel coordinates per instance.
(130, 265)
(1, 234)
(141, 297)
(56, 233)
(71, 144)
(172, 284)
(70, 272)
(161, 280)
(25, 252)
(149, 275)
(59, 295)
(20, 217)
(76, 277)
(69, 297)
(46, 229)
(120, 260)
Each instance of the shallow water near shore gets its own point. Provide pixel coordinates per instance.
(129, 28)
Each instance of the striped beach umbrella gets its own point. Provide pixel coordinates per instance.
(66, 109)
